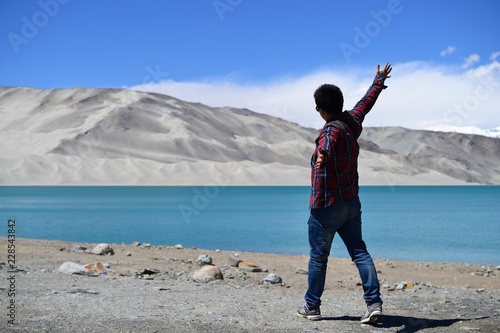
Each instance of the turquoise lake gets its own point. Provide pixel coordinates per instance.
(417, 223)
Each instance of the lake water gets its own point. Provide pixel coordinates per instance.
(418, 223)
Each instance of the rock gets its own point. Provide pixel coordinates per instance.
(148, 271)
(207, 274)
(400, 286)
(103, 249)
(204, 259)
(148, 274)
(136, 243)
(273, 279)
(178, 246)
(70, 267)
(83, 291)
(96, 268)
(129, 254)
(234, 261)
(249, 266)
(79, 248)
(404, 285)
(301, 271)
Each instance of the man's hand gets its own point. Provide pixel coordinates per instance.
(320, 159)
(386, 71)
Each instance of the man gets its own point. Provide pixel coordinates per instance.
(334, 203)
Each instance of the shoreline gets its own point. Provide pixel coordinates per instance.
(306, 254)
(148, 288)
(424, 267)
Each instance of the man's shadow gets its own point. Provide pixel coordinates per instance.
(408, 324)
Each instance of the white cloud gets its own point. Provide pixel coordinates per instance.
(495, 55)
(419, 95)
(471, 60)
(449, 50)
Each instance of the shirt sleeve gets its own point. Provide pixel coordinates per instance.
(325, 141)
(366, 103)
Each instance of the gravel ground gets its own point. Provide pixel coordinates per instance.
(435, 297)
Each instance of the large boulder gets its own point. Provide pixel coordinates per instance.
(70, 267)
(207, 274)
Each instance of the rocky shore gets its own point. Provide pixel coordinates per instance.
(60, 286)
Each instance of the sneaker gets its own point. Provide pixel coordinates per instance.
(373, 314)
(311, 314)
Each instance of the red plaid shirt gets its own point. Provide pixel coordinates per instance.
(337, 179)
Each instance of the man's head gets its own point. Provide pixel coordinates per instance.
(329, 98)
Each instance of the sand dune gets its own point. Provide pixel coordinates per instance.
(126, 137)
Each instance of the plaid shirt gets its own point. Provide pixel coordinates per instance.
(337, 179)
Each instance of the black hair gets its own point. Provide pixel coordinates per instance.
(329, 97)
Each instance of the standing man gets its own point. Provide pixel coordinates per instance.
(334, 201)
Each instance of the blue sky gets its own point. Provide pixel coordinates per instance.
(267, 56)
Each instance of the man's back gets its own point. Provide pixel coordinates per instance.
(336, 179)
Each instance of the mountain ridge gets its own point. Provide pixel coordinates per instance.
(86, 136)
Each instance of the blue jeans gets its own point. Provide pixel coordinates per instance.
(343, 218)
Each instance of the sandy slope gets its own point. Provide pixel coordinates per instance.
(116, 136)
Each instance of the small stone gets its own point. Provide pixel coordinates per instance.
(178, 246)
(207, 274)
(83, 291)
(480, 290)
(149, 271)
(401, 286)
(94, 268)
(249, 266)
(136, 243)
(129, 254)
(273, 279)
(301, 271)
(204, 259)
(103, 249)
(79, 248)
